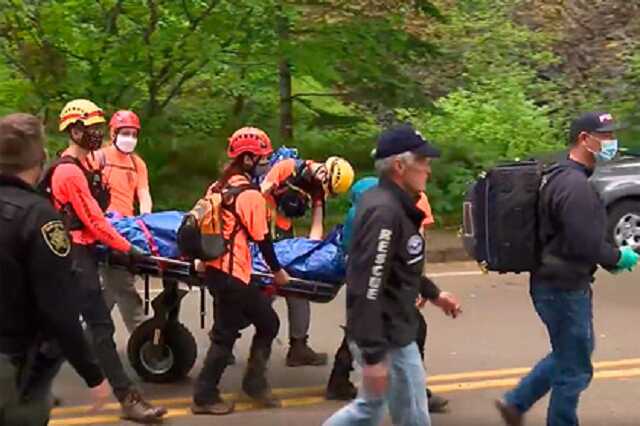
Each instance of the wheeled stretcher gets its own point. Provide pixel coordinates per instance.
(162, 349)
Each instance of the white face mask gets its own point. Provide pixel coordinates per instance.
(126, 144)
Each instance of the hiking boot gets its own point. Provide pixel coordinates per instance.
(254, 382)
(267, 399)
(437, 404)
(301, 354)
(510, 414)
(217, 408)
(340, 389)
(135, 408)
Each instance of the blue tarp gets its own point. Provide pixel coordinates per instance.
(162, 226)
(302, 258)
(309, 259)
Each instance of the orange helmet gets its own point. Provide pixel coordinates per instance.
(249, 140)
(123, 119)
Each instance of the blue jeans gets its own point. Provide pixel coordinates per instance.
(567, 370)
(405, 395)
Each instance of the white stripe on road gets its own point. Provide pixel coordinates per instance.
(454, 274)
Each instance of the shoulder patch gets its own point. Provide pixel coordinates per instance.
(56, 237)
(415, 245)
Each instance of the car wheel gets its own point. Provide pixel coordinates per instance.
(623, 224)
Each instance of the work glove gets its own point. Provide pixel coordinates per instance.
(628, 259)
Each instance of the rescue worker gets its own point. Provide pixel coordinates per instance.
(37, 303)
(573, 244)
(69, 181)
(125, 174)
(239, 302)
(384, 276)
(339, 386)
(290, 186)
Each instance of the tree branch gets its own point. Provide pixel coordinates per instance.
(165, 72)
(112, 18)
(185, 7)
(307, 95)
(183, 79)
(196, 22)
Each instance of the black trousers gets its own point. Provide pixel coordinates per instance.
(100, 326)
(29, 404)
(343, 361)
(236, 306)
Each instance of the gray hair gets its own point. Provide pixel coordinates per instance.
(384, 165)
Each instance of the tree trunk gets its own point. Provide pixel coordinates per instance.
(284, 72)
(286, 102)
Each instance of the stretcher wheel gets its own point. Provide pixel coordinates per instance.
(162, 356)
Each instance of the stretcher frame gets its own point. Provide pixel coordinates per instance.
(162, 349)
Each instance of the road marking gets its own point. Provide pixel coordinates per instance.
(306, 396)
(282, 393)
(316, 400)
(185, 412)
(504, 383)
(454, 274)
(484, 374)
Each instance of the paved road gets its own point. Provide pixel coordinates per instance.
(472, 360)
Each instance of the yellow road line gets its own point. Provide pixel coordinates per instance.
(283, 393)
(315, 400)
(302, 396)
(183, 412)
(317, 390)
(506, 372)
(503, 383)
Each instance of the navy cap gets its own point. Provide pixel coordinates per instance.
(400, 139)
(593, 122)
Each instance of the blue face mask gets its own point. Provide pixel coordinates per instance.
(608, 151)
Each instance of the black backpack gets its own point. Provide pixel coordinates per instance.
(501, 211)
(98, 190)
(292, 198)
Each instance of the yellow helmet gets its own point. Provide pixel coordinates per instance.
(341, 175)
(81, 110)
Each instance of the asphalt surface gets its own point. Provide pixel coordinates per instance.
(471, 360)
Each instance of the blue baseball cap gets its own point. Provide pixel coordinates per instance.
(404, 138)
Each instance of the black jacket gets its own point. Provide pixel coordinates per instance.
(384, 271)
(38, 298)
(573, 223)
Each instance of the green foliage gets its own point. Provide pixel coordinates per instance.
(491, 121)
(487, 80)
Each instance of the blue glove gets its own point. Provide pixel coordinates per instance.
(628, 258)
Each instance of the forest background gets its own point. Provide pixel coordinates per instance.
(485, 80)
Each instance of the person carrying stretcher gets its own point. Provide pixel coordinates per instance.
(238, 302)
(125, 174)
(291, 186)
(80, 196)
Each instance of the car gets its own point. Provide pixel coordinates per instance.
(618, 184)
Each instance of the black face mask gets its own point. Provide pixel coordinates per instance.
(91, 139)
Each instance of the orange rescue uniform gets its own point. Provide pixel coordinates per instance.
(124, 175)
(424, 206)
(277, 176)
(69, 186)
(251, 209)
